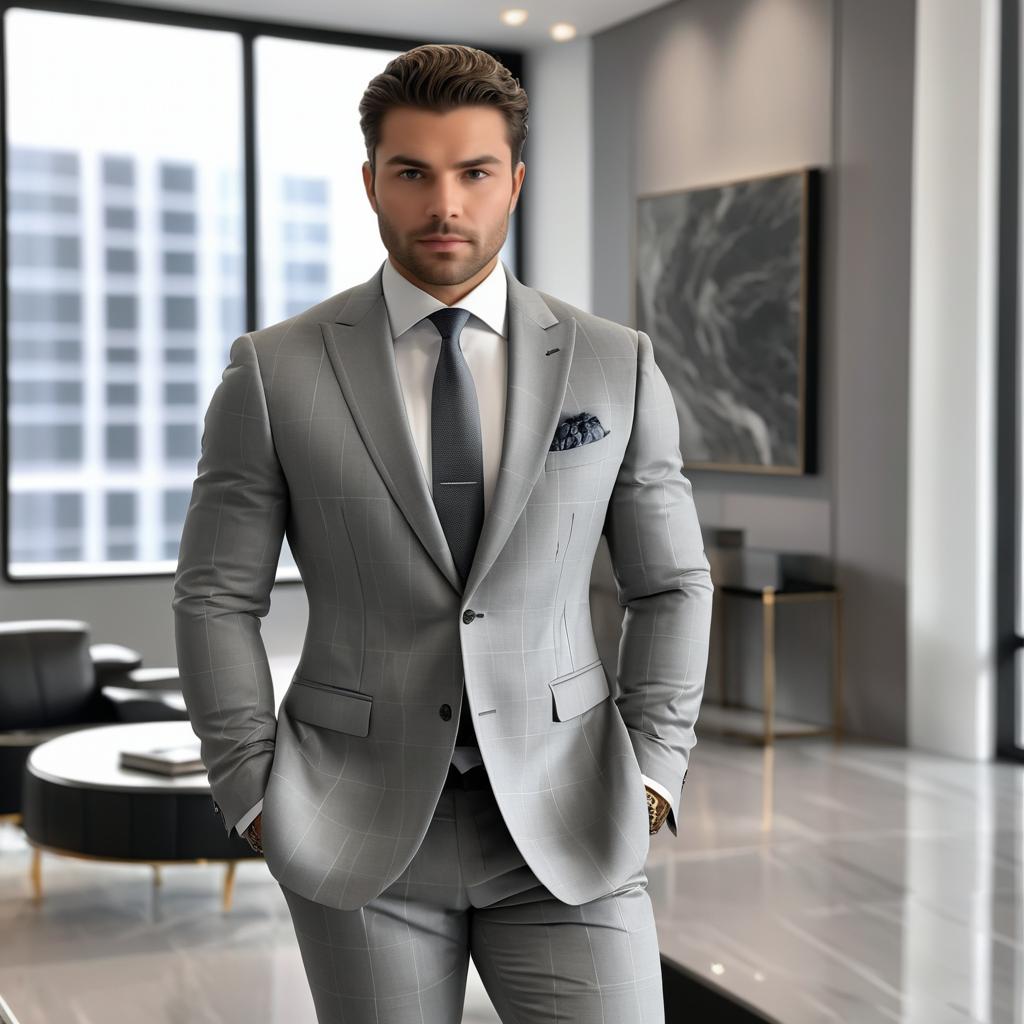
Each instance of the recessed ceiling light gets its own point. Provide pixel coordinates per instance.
(562, 30)
(514, 15)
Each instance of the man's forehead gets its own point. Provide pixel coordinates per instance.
(484, 122)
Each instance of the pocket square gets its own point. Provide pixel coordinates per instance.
(581, 428)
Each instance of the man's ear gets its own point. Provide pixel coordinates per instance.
(368, 184)
(518, 176)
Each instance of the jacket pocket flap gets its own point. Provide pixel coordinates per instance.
(331, 707)
(579, 691)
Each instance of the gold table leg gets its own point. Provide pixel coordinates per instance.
(36, 873)
(229, 883)
(768, 662)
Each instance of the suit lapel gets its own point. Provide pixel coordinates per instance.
(361, 351)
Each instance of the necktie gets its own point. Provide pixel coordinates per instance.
(457, 462)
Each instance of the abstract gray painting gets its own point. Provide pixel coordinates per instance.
(726, 289)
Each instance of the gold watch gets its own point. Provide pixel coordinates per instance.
(251, 838)
(657, 810)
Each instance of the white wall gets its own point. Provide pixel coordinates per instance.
(868, 283)
(558, 180)
(952, 398)
(704, 91)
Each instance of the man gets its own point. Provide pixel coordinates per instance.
(451, 771)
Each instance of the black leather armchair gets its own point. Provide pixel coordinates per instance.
(52, 680)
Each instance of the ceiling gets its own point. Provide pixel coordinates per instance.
(464, 21)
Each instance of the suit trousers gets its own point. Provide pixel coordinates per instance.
(403, 958)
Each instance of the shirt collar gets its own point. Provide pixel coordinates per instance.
(408, 304)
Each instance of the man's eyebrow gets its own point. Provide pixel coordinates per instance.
(410, 161)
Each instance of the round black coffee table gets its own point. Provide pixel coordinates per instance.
(78, 802)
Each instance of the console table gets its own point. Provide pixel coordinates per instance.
(761, 726)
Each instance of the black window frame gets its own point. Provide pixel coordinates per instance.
(248, 31)
(1009, 532)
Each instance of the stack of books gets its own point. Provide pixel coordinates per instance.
(178, 760)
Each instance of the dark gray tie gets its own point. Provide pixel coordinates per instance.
(456, 459)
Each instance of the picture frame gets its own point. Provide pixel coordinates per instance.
(725, 283)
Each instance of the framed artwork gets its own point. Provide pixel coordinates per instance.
(726, 286)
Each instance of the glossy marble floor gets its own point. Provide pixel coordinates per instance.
(848, 884)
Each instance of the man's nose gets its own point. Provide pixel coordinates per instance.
(445, 201)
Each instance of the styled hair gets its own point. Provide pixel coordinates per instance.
(439, 77)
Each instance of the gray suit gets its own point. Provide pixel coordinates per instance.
(306, 435)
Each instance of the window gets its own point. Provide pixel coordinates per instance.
(59, 252)
(119, 218)
(118, 170)
(49, 307)
(181, 441)
(120, 508)
(305, 273)
(180, 263)
(132, 266)
(120, 261)
(122, 394)
(178, 177)
(35, 202)
(106, 199)
(180, 393)
(122, 311)
(178, 223)
(47, 527)
(180, 313)
(310, 190)
(122, 442)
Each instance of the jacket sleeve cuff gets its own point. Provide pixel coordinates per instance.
(249, 817)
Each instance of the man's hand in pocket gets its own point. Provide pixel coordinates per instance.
(254, 833)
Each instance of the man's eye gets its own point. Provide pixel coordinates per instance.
(472, 170)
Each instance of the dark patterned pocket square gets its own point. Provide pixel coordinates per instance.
(582, 428)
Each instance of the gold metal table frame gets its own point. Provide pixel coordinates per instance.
(36, 868)
(770, 598)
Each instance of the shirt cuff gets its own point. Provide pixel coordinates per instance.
(247, 819)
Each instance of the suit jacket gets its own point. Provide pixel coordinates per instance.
(305, 436)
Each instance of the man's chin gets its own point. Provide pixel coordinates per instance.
(445, 270)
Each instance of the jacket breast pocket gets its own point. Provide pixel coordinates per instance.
(581, 455)
(331, 707)
(579, 691)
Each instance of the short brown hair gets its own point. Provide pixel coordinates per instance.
(440, 76)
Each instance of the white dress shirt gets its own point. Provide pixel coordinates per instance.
(484, 343)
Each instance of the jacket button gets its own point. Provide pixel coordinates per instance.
(468, 615)
(445, 711)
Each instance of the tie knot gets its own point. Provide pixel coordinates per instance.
(450, 320)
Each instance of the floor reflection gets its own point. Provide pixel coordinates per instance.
(848, 884)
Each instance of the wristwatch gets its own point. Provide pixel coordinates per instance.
(251, 838)
(657, 811)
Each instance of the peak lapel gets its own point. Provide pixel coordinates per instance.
(361, 352)
(535, 392)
